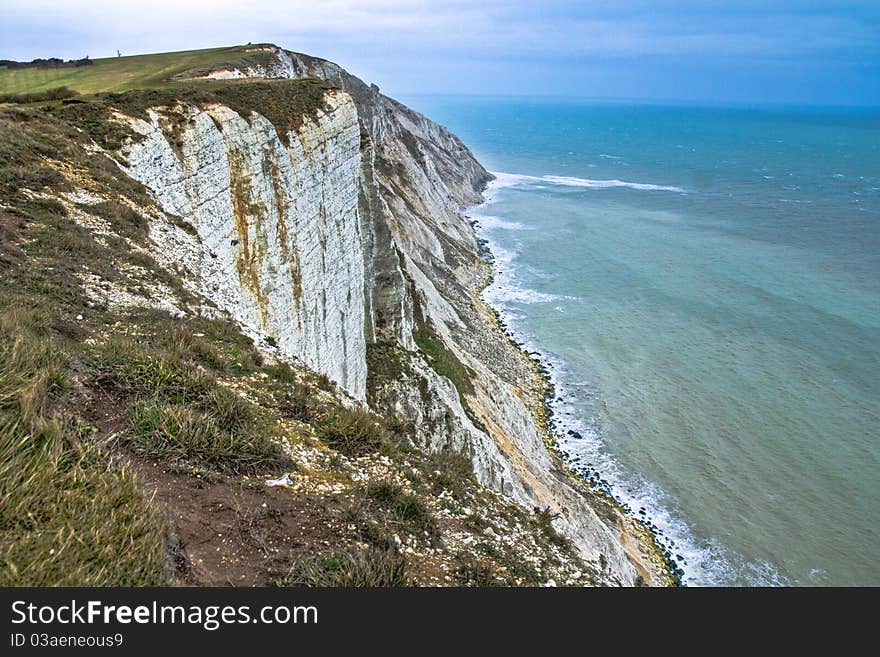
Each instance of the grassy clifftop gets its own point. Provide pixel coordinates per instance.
(127, 73)
(86, 95)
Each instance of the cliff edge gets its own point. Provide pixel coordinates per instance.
(324, 220)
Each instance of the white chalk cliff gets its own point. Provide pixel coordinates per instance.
(343, 240)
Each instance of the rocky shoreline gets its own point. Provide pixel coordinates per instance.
(642, 531)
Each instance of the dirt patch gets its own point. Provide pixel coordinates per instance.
(227, 533)
(10, 251)
(223, 531)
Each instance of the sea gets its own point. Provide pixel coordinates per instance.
(703, 284)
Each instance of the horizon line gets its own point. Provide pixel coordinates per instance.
(705, 103)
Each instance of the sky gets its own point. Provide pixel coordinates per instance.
(713, 51)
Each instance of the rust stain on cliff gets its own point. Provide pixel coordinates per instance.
(282, 232)
(250, 253)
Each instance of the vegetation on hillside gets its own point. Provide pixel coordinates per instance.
(56, 93)
(283, 102)
(68, 516)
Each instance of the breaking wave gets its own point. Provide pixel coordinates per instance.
(503, 180)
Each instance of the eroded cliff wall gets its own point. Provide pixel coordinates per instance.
(276, 235)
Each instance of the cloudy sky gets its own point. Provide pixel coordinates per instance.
(776, 51)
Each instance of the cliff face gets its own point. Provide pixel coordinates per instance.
(277, 240)
(342, 242)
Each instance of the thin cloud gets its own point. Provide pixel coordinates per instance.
(461, 46)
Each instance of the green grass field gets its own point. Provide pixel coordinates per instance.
(123, 73)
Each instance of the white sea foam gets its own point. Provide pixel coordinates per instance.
(506, 287)
(503, 180)
(490, 222)
(516, 294)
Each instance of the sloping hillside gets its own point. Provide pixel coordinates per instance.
(126, 73)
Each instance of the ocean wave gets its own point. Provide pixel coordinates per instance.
(490, 222)
(516, 294)
(506, 287)
(505, 180)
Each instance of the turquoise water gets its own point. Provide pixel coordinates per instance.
(706, 286)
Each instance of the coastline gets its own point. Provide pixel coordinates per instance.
(639, 538)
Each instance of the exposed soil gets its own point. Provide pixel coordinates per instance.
(223, 531)
(226, 533)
